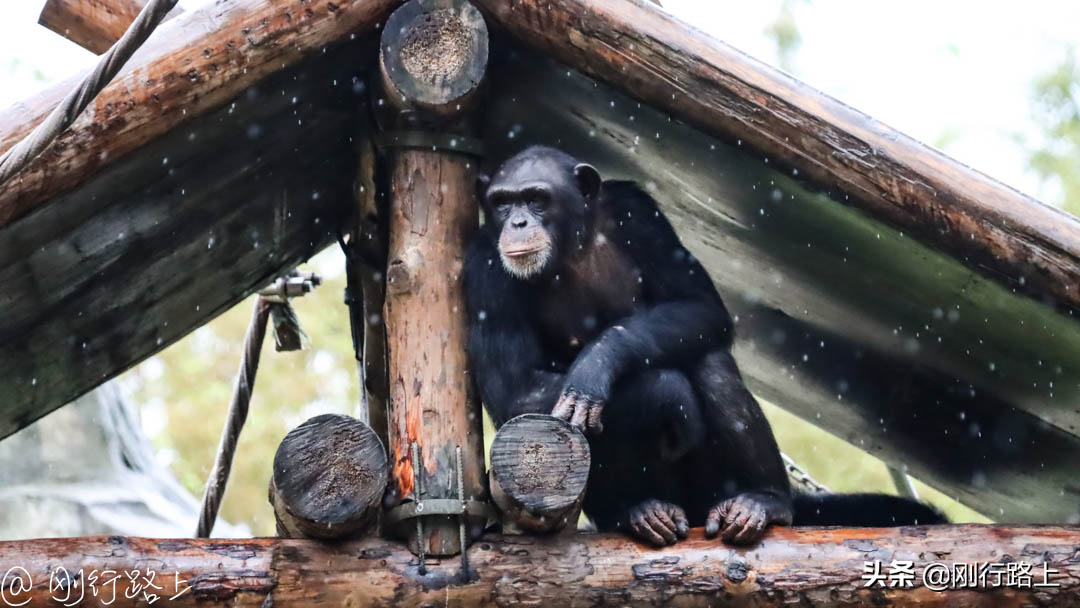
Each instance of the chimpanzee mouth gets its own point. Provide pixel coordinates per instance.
(518, 253)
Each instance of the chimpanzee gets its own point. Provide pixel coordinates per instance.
(583, 303)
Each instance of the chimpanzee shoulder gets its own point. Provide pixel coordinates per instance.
(671, 272)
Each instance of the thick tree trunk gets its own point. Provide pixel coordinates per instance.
(93, 24)
(791, 567)
(432, 61)
(203, 60)
(675, 68)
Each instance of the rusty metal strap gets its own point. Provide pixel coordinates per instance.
(440, 506)
(428, 140)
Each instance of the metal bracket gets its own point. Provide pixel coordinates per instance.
(458, 507)
(427, 140)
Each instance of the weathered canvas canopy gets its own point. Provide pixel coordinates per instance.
(905, 302)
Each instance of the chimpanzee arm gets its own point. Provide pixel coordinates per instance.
(505, 355)
(684, 317)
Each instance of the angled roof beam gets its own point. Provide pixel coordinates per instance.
(191, 65)
(93, 24)
(639, 49)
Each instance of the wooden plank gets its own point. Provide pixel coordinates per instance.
(93, 24)
(193, 65)
(790, 567)
(677, 69)
(801, 268)
(165, 240)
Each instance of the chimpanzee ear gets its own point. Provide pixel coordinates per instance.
(588, 180)
(483, 180)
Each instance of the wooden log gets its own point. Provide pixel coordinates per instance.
(204, 59)
(675, 68)
(367, 246)
(93, 24)
(329, 478)
(539, 466)
(431, 62)
(790, 567)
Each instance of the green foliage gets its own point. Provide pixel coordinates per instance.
(1056, 110)
(785, 33)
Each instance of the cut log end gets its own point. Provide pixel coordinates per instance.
(328, 480)
(539, 466)
(434, 59)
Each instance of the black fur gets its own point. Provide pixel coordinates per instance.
(862, 510)
(625, 317)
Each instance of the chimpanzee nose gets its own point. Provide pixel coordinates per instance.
(520, 222)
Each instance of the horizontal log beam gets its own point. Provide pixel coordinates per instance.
(804, 567)
(673, 67)
(199, 62)
(94, 25)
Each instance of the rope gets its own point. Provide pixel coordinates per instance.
(238, 411)
(271, 302)
(18, 156)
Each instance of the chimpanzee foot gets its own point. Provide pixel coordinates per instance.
(658, 523)
(742, 520)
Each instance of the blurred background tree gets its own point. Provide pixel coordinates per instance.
(1055, 155)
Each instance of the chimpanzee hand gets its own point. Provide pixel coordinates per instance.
(658, 523)
(585, 392)
(745, 517)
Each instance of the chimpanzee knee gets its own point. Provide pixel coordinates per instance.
(661, 404)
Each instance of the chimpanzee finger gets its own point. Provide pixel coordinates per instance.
(644, 531)
(662, 524)
(678, 516)
(594, 423)
(712, 521)
(667, 536)
(580, 418)
(717, 516)
(754, 529)
(564, 408)
(736, 522)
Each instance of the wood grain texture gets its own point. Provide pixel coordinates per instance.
(539, 466)
(675, 68)
(328, 479)
(165, 240)
(93, 24)
(432, 213)
(790, 567)
(899, 349)
(187, 68)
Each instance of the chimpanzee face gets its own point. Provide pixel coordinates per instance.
(541, 203)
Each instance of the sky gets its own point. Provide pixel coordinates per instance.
(952, 72)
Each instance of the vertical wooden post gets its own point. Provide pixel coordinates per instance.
(432, 58)
(367, 288)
